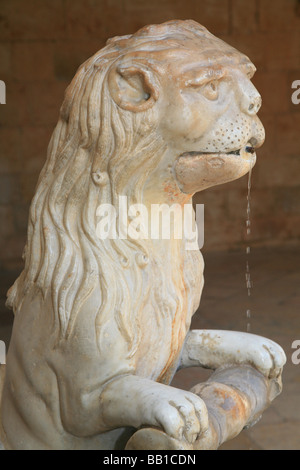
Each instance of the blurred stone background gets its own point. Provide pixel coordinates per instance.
(42, 43)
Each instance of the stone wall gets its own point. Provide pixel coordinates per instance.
(42, 42)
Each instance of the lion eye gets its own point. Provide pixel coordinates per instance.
(211, 90)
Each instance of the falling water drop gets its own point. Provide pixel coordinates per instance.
(248, 315)
(248, 250)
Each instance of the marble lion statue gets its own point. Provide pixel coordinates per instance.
(102, 324)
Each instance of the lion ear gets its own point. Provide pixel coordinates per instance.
(133, 88)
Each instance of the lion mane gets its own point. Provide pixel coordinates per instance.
(97, 152)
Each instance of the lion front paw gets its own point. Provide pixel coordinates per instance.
(266, 356)
(180, 414)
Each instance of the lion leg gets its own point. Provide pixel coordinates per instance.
(135, 401)
(235, 396)
(215, 348)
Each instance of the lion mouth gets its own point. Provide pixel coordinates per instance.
(246, 151)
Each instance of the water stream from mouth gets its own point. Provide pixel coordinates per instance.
(249, 283)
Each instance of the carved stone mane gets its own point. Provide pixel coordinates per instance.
(97, 151)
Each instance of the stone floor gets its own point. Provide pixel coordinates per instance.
(275, 313)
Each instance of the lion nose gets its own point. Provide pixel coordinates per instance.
(251, 100)
(254, 105)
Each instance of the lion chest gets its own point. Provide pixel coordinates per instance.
(165, 318)
(163, 331)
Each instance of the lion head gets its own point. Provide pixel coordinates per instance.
(155, 116)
